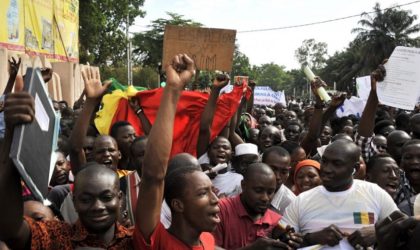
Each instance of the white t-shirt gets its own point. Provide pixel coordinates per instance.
(282, 198)
(362, 205)
(228, 183)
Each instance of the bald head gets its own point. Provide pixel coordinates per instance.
(348, 149)
(95, 172)
(395, 140)
(256, 169)
(183, 160)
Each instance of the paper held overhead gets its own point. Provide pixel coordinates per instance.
(401, 86)
(211, 49)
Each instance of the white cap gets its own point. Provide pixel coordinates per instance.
(245, 149)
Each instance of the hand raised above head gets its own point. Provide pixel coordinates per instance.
(378, 75)
(93, 86)
(221, 81)
(180, 71)
(338, 99)
(14, 66)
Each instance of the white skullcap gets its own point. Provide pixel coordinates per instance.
(246, 148)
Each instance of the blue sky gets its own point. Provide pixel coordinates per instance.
(276, 46)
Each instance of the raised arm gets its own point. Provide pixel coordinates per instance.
(208, 114)
(250, 102)
(336, 102)
(94, 91)
(159, 146)
(14, 68)
(145, 123)
(18, 109)
(367, 121)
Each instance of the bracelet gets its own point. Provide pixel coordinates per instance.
(139, 111)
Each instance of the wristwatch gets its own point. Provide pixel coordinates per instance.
(1, 106)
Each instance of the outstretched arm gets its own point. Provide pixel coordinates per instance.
(18, 109)
(208, 114)
(367, 121)
(159, 146)
(309, 141)
(94, 91)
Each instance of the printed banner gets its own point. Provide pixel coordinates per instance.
(41, 27)
(263, 95)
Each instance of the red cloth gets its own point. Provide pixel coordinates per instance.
(237, 229)
(163, 240)
(187, 120)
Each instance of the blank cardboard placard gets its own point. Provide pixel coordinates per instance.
(211, 49)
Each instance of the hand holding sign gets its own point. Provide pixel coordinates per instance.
(19, 108)
(377, 75)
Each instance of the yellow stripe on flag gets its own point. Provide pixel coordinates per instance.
(364, 218)
(106, 114)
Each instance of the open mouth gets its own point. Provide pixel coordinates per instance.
(392, 186)
(221, 157)
(214, 216)
(107, 162)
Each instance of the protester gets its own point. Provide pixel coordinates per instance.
(247, 220)
(96, 189)
(279, 161)
(306, 176)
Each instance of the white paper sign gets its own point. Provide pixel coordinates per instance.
(264, 95)
(363, 87)
(352, 106)
(41, 115)
(401, 85)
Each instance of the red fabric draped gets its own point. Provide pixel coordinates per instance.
(187, 120)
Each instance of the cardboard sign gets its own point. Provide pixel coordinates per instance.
(240, 79)
(211, 49)
(33, 144)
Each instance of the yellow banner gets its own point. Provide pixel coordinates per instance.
(41, 27)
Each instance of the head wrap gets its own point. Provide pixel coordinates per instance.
(305, 163)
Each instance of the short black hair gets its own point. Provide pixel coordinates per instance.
(116, 126)
(175, 183)
(290, 146)
(408, 143)
(280, 151)
(374, 159)
(138, 139)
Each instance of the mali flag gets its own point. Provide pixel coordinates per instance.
(187, 120)
(364, 218)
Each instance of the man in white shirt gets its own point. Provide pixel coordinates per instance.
(342, 208)
(279, 161)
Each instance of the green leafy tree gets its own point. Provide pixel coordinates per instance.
(102, 29)
(382, 31)
(240, 65)
(312, 53)
(273, 75)
(148, 46)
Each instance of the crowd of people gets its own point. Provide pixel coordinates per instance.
(283, 177)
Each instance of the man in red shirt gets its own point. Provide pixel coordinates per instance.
(248, 220)
(188, 191)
